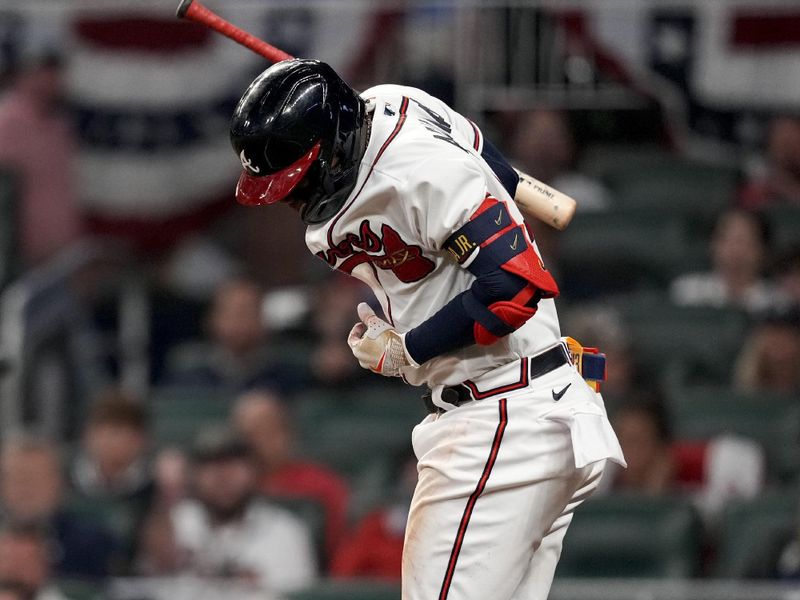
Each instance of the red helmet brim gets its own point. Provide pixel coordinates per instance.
(269, 189)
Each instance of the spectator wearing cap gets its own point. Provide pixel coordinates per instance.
(264, 422)
(769, 360)
(31, 491)
(227, 531)
(739, 251)
(237, 355)
(110, 474)
(25, 563)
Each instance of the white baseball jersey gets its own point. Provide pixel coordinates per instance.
(499, 477)
(420, 180)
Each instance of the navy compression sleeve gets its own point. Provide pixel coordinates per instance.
(452, 327)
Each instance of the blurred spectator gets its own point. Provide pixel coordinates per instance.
(263, 420)
(333, 316)
(237, 355)
(770, 356)
(718, 470)
(24, 562)
(37, 145)
(710, 471)
(645, 435)
(31, 489)
(780, 182)
(739, 250)
(12, 591)
(171, 472)
(158, 552)
(157, 547)
(227, 531)
(544, 147)
(375, 549)
(110, 474)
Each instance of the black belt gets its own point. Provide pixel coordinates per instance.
(538, 365)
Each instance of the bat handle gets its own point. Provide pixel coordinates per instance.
(194, 11)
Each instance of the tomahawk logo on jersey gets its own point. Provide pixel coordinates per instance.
(427, 207)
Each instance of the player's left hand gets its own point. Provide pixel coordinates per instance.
(377, 345)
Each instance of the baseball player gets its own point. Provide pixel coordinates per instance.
(405, 194)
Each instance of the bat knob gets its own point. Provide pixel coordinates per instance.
(183, 8)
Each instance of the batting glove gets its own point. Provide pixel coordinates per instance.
(377, 345)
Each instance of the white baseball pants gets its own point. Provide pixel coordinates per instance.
(499, 479)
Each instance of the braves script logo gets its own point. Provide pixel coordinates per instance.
(247, 163)
(405, 260)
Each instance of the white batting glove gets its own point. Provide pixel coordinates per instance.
(377, 345)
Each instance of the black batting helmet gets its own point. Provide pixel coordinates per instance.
(300, 132)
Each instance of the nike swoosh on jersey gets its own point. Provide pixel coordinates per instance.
(557, 395)
(514, 245)
(498, 219)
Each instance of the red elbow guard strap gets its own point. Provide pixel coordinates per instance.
(511, 313)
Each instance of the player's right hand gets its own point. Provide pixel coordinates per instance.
(377, 345)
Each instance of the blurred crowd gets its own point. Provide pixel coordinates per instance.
(250, 494)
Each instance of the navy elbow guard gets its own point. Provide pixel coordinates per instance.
(491, 242)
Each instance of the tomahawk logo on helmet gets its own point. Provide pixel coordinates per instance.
(300, 132)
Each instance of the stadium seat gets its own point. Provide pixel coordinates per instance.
(349, 444)
(632, 536)
(381, 400)
(81, 589)
(349, 590)
(673, 185)
(621, 250)
(771, 420)
(179, 412)
(663, 333)
(750, 530)
(785, 226)
(604, 160)
(9, 228)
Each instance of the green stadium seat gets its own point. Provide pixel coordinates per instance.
(623, 250)
(350, 444)
(663, 333)
(179, 412)
(674, 185)
(9, 228)
(349, 590)
(750, 529)
(81, 589)
(604, 160)
(785, 226)
(632, 536)
(382, 401)
(771, 420)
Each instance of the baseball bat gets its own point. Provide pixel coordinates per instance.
(194, 11)
(534, 198)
